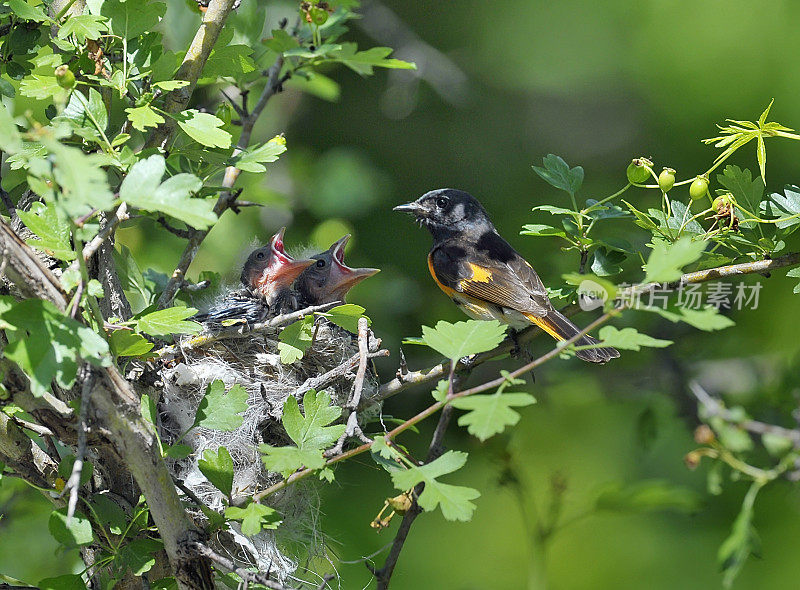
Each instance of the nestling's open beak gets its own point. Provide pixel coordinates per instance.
(342, 277)
(283, 269)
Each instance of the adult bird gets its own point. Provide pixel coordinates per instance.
(329, 279)
(484, 275)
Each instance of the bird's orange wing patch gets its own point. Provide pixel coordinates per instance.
(480, 274)
(448, 290)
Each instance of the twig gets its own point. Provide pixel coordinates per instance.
(321, 381)
(189, 493)
(230, 565)
(181, 233)
(715, 408)
(352, 428)
(437, 372)
(240, 331)
(37, 428)
(120, 215)
(74, 481)
(226, 199)
(325, 579)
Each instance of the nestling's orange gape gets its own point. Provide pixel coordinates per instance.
(484, 275)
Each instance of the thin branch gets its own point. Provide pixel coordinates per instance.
(184, 234)
(437, 372)
(715, 408)
(230, 565)
(120, 215)
(74, 481)
(244, 331)
(227, 198)
(190, 70)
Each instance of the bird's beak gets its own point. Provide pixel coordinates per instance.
(414, 208)
(283, 269)
(342, 277)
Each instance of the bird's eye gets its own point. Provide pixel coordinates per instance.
(441, 202)
(259, 255)
(320, 264)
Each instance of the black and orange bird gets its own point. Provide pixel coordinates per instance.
(484, 275)
(329, 279)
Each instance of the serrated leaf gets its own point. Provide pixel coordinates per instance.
(489, 414)
(228, 61)
(287, 460)
(131, 19)
(204, 128)
(218, 469)
(138, 556)
(144, 117)
(27, 12)
(110, 515)
(143, 188)
(607, 262)
(254, 517)
(254, 158)
(41, 87)
(78, 531)
(220, 411)
(462, 339)
(83, 26)
(295, 339)
(363, 62)
(53, 232)
(127, 343)
(178, 451)
(170, 85)
(87, 118)
(47, 345)
(557, 173)
(629, 339)
(65, 582)
(346, 316)
(743, 540)
(541, 229)
(783, 207)
(165, 322)
(454, 500)
(83, 181)
(794, 273)
(666, 261)
(740, 183)
(708, 319)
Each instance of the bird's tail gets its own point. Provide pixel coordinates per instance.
(560, 328)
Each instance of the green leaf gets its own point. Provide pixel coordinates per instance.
(131, 19)
(204, 128)
(629, 339)
(83, 182)
(740, 183)
(228, 61)
(295, 339)
(607, 263)
(127, 343)
(462, 339)
(648, 496)
(138, 556)
(168, 321)
(642, 219)
(281, 41)
(178, 451)
(65, 582)
(558, 173)
(66, 465)
(254, 158)
(541, 229)
(254, 517)
(218, 469)
(708, 319)
(109, 514)
(783, 207)
(41, 87)
(218, 411)
(52, 231)
(144, 117)
(27, 12)
(83, 26)
(77, 532)
(794, 273)
(363, 62)
(148, 409)
(143, 188)
(88, 118)
(490, 414)
(47, 345)
(454, 500)
(743, 540)
(346, 316)
(776, 445)
(309, 431)
(170, 85)
(666, 260)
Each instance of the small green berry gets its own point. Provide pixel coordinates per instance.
(319, 16)
(638, 170)
(698, 188)
(65, 77)
(722, 202)
(666, 180)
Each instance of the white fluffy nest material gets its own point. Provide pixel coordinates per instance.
(253, 362)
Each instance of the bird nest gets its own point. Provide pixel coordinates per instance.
(248, 356)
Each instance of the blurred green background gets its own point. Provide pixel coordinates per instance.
(500, 85)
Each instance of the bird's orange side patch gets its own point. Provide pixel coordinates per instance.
(444, 288)
(542, 323)
(480, 274)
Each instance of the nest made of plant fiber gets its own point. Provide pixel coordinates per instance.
(253, 362)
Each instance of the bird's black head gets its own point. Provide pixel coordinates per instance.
(329, 278)
(448, 211)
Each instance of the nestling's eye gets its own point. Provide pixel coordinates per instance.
(260, 256)
(441, 202)
(320, 264)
